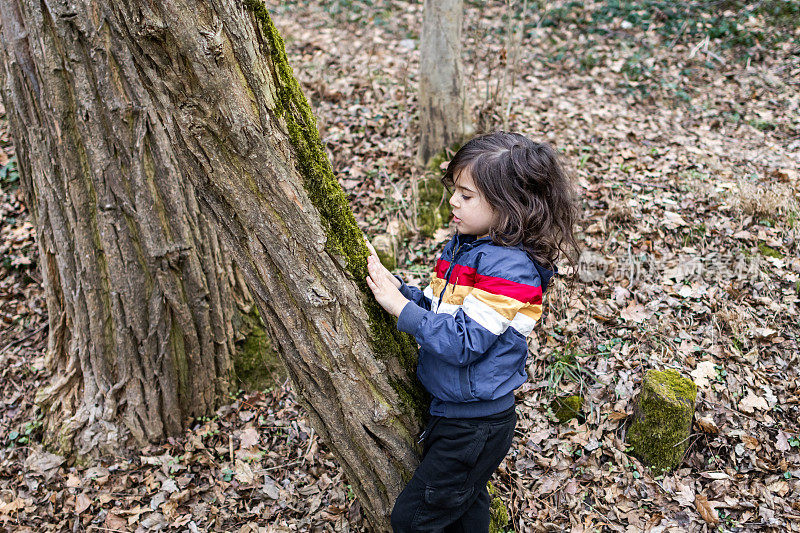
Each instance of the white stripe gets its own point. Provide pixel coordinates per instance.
(523, 323)
(434, 299)
(451, 309)
(428, 292)
(484, 315)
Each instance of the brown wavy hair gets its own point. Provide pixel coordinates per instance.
(527, 184)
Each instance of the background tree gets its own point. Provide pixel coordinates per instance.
(443, 119)
(142, 130)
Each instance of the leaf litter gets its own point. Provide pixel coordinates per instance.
(686, 157)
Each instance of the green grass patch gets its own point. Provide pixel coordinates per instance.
(9, 175)
(565, 366)
(762, 125)
(734, 23)
(768, 251)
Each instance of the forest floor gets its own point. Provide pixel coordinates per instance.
(683, 131)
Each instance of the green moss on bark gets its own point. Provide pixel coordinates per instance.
(498, 513)
(412, 394)
(344, 240)
(180, 362)
(256, 364)
(662, 421)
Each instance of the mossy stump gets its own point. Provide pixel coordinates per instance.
(662, 421)
(433, 210)
(498, 514)
(566, 408)
(437, 160)
(387, 251)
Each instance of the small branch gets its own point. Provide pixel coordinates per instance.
(278, 467)
(26, 337)
(680, 33)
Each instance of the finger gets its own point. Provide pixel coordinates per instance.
(383, 270)
(376, 262)
(379, 281)
(371, 249)
(374, 280)
(377, 270)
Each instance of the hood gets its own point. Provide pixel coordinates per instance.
(546, 274)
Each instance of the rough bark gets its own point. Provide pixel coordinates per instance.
(443, 120)
(198, 93)
(139, 291)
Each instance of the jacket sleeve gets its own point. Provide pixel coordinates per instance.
(506, 293)
(414, 294)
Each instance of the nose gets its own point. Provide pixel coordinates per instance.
(453, 200)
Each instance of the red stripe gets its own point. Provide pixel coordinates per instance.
(441, 267)
(468, 277)
(519, 291)
(463, 275)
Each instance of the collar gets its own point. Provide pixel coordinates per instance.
(461, 238)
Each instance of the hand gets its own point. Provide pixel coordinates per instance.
(374, 254)
(384, 287)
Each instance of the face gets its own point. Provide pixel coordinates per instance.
(471, 212)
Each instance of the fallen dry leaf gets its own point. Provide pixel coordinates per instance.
(782, 441)
(702, 373)
(752, 402)
(249, 437)
(635, 313)
(707, 425)
(82, 502)
(706, 510)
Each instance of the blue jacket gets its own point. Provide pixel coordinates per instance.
(471, 323)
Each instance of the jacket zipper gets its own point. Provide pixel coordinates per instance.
(447, 274)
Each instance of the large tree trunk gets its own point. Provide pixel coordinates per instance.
(139, 291)
(128, 114)
(443, 120)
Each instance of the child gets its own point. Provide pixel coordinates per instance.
(514, 209)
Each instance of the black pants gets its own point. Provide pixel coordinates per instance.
(448, 490)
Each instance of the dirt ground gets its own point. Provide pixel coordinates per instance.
(683, 132)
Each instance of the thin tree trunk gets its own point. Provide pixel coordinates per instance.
(443, 120)
(194, 100)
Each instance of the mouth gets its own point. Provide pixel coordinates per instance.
(456, 219)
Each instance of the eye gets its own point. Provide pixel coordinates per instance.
(465, 197)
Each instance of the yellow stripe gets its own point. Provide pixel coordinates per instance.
(533, 311)
(437, 284)
(455, 294)
(504, 305)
